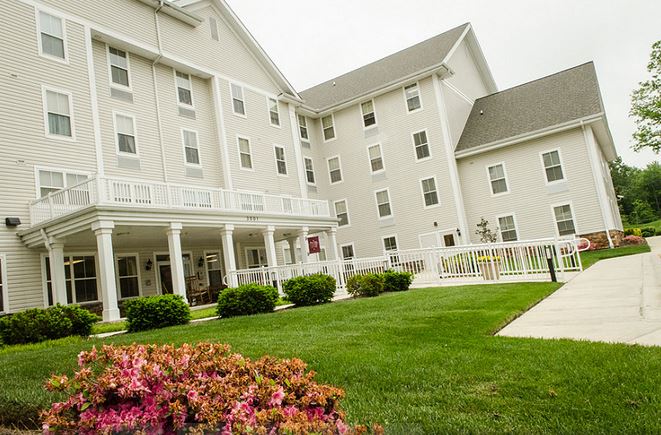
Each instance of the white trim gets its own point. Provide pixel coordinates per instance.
(307, 129)
(314, 173)
(406, 101)
(505, 177)
(183, 146)
(376, 119)
(334, 211)
(321, 125)
(135, 134)
(44, 102)
(69, 277)
(4, 292)
(238, 147)
(516, 226)
(243, 115)
(369, 159)
(573, 216)
(389, 236)
(564, 178)
(268, 111)
(422, 191)
(205, 254)
(157, 273)
(220, 132)
(64, 172)
(65, 61)
(353, 249)
(176, 89)
(284, 156)
(376, 200)
(415, 147)
(460, 94)
(298, 151)
(117, 277)
(112, 84)
(94, 102)
(328, 170)
(258, 249)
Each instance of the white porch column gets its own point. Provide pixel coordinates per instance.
(269, 244)
(176, 260)
(331, 244)
(292, 249)
(57, 273)
(303, 241)
(227, 235)
(103, 232)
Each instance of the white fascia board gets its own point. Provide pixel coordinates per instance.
(175, 11)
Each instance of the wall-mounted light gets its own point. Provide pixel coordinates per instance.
(149, 265)
(200, 262)
(12, 221)
(458, 232)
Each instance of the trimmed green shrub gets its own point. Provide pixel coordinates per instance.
(633, 232)
(396, 281)
(38, 324)
(155, 312)
(648, 232)
(310, 290)
(246, 300)
(369, 285)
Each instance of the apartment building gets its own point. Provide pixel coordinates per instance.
(151, 146)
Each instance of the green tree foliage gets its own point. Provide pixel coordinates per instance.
(646, 106)
(638, 191)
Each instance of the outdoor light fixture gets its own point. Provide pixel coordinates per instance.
(200, 262)
(12, 221)
(149, 265)
(458, 232)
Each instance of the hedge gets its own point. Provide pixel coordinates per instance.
(247, 300)
(155, 312)
(310, 290)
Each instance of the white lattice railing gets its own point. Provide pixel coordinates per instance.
(145, 194)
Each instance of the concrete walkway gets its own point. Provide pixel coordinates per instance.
(616, 300)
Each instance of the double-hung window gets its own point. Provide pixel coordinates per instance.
(507, 228)
(328, 127)
(280, 161)
(390, 243)
(191, 147)
(125, 134)
(383, 203)
(3, 284)
(334, 170)
(52, 36)
(245, 154)
(238, 103)
(274, 112)
(309, 171)
(421, 145)
(303, 128)
(128, 276)
(497, 179)
(369, 116)
(50, 181)
(429, 192)
(81, 280)
(564, 220)
(348, 251)
(119, 67)
(376, 158)
(412, 95)
(553, 166)
(184, 88)
(58, 113)
(342, 212)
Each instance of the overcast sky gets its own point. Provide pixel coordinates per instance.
(314, 40)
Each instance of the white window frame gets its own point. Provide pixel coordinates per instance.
(339, 165)
(135, 134)
(183, 147)
(376, 200)
(376, 120)
(406, 100)
(415, 147)
(44, 100)
(346, 205)
(353, 248)
(64, 172)
(4, 292)
(516, 226)
(284, 157)
(190, 89)
(117, 277)
(242, 99)
(505, 177)
(69, 276)
(238, 147)
(64, 60)
(369, 159)
(422, 192)
(128, 88)
(390, 236)
(206, 254)
(303, 127)
(311, 169)
(573, 217)
(321, 125)
(564, 178)
(269, 101)
(213, 29)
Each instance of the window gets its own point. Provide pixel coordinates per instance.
(328, 127)
(429, 191)
(238, 104)
(58, 113)
(553, 166)
(421, 145)
(214, 270)
(497, 179)
(184, 88)
(383, 203)
(309, 171)
(334, 169)
(129, 276)
(507, 228)
(369, 116)
(80, 273)
(3, 284)
(412, 94)
(213, 27)
(348, 251)
(376, 158)
(280, 161)
(53, 181)
(564, 220)
(191, 147)
(119, 67)
(125, 134)
(342, 212)
(51, 36)
(390, 243)
(303, 128)
(244, 153)
(274, 112)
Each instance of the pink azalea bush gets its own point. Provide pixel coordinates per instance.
(633, 241)
(200, 388)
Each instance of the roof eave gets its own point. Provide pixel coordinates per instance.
(174, 11)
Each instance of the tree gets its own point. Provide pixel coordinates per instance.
(623, 177)
(642, 212)
(646, 106)
(648, 186)
(485, 233)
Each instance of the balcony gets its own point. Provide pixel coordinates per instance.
(105, 191)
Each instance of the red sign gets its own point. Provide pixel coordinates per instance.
(314, 247)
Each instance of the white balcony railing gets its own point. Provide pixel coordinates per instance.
(145, 194)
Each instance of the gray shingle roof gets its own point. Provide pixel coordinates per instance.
(559, 98)
(382, 72)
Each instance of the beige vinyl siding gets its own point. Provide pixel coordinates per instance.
(466, 76)
(458, 110)
(530, 198)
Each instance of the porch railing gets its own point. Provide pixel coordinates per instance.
(146, 194)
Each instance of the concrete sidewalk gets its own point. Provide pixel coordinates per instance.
(616, 300)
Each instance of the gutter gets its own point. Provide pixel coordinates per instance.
(175, 11)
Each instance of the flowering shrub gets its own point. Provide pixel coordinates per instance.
(488, 258)
(633, 241)
(633, 232)
(163, 389)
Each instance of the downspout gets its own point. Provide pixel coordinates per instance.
(156, 98)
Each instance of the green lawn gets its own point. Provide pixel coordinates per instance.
(417, 362)
(656, 225)
(588, 258)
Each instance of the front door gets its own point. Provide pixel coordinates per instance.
(165, 275)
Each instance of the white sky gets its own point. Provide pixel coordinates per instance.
(314, 40)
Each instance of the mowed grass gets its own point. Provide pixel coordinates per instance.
(656, 225)
(423, 361)
(588, 258)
